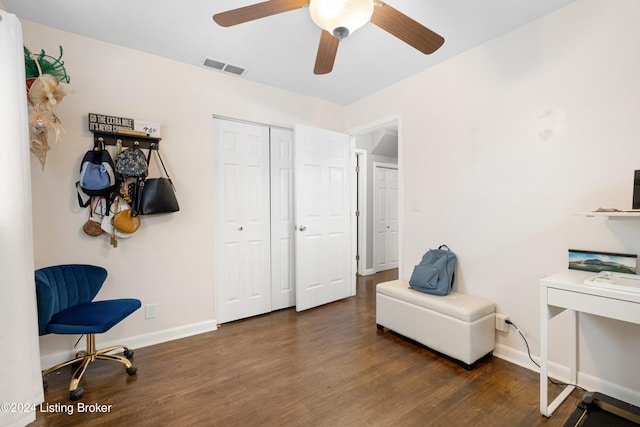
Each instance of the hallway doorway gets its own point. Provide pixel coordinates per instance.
(378, 145)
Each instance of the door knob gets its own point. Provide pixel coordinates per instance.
(302, 228)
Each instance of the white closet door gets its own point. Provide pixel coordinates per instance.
(385, 218)
(283, 291)
(242, 270)
(322, 168)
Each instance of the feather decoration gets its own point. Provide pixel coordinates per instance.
(45, 64)
(44, 74)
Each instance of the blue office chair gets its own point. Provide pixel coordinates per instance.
(65, 306)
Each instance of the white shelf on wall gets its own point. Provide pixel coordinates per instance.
(611, 215)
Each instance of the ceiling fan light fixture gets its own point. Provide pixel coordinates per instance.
(341, 17)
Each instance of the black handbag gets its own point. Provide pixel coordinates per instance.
(157, 194)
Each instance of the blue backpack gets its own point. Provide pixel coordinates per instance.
(97, 176)
(436, 272)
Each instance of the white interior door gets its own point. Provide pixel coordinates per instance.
(242, 271)
(385, 199)
(283, 289)
(322, 191)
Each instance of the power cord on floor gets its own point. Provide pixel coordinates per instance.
(509, 322)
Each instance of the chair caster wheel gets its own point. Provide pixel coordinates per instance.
(132, 370)
(76, 394)
(128, 353)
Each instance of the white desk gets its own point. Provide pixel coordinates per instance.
(566, 291)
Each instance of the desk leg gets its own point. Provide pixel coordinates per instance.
(574, 326)
(545, 314)
(573, 368)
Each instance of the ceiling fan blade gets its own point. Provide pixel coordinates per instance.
(257, 11)
(326, 56)
(406, 29)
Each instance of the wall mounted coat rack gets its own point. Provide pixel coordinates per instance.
(125, 140)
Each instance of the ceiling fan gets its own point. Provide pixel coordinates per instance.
(338, 19)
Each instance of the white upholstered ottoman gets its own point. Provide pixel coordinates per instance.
(457, 325)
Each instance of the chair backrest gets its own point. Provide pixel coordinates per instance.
(62, 286)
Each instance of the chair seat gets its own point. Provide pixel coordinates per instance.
(92, 317)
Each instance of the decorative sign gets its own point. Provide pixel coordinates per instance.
(112, 124)
(150, 128)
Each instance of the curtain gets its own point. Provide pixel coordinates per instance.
(20, 380)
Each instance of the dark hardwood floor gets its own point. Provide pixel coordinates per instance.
(328, 366)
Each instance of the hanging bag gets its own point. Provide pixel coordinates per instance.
(126, 221)
(132, 163)
(97, 177)
(92, 227)
(157, 194)
(108, 219)
(436, 272)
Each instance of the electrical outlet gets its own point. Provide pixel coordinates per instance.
(501, 322)
(150, 311)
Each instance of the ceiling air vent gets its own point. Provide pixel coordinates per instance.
(222, 66)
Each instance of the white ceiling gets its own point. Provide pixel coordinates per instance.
(280, 50)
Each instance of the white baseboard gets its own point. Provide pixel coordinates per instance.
(138, 341)
(561, 373)
(521, 358)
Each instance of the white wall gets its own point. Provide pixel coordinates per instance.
(501, 144)
(169, 261)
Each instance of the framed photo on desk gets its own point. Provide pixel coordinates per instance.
(602, 261)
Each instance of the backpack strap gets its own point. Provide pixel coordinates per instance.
(453, 273)
(83, 204)
(137, 195)
(111, 197)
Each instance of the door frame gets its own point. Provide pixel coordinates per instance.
(361, 206)
(367, 127)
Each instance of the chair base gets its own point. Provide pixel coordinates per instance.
(84, 358)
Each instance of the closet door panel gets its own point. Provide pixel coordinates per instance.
(282, 220)
(241, 220)
(385, 217)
